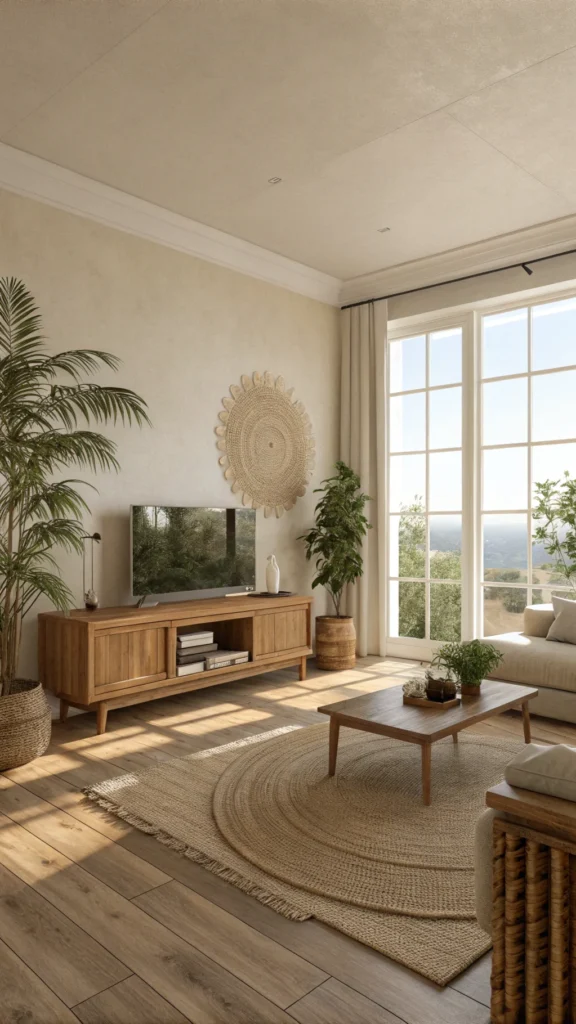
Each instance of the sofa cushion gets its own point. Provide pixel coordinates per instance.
(534, 661)
(563, 629)
(545, 769)
(537, 619)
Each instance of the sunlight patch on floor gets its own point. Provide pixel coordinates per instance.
(279, 693)
(373, 685)
(194, 715)
(29, 858)
(203, 727)
(137, 741)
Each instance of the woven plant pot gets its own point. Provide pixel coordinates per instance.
(25, 724)
(335, 642)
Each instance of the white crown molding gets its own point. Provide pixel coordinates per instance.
(39, 179)
(519, 246)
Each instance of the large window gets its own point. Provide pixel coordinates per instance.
(480, 410)
(425, 485)
(528, 426)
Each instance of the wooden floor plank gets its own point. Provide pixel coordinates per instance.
(130, 1002)
(72, 964)
(106, 860)
(67, 797)
(25, 998)
(78, 769)
(475, 982)
(143, 736)
(194, 984)
(405, 994)
(270, 968)
(335, 1003)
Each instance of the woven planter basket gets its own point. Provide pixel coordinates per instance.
(25, 724)
(335, 643)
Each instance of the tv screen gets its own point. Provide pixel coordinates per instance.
(182, 550)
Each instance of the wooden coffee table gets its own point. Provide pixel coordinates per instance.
(383, 712)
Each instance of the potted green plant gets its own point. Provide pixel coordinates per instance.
(42, 399)
(469, 662)
(335, 544)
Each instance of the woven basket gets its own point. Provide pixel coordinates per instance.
(25, 724)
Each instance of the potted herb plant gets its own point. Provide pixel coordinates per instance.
(469, 662)
(335, 544)
(42, 399)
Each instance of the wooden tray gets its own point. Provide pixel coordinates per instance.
(423, 702)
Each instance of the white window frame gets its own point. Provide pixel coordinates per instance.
(529, 374)
(469, 318)
(412, 647)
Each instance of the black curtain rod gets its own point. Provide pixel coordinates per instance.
(525, 265)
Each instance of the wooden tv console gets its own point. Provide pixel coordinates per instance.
(118, 656)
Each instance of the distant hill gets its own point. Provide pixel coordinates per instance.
(505, 545)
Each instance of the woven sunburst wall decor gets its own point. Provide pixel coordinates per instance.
(266, 442)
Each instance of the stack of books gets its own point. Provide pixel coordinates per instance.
(191, 652)
(225, 658)
(197, 652)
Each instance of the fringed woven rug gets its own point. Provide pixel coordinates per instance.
(358, 851)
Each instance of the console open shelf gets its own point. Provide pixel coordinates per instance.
(114, 657)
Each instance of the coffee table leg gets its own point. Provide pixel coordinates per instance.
(426, 772)
(333, 746)
(526, 722)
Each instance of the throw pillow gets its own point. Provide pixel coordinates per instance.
(537, 619)
(563, 629)
(549, 770)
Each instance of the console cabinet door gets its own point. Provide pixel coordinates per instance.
(290, 630)
(280, 631)
(263, 635)
(137, 655)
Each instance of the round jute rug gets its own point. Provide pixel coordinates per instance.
(362, 837)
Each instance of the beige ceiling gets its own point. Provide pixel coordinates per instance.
(448, 121)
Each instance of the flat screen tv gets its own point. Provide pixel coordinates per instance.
(192, 552)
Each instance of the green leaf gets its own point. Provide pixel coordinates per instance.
(335, 542)
(46, 411)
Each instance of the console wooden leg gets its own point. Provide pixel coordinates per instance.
(333, 744)
(426, 772)
(526, 722)
(455, 737)
(64, 705)
(302, 671)
(101, 716)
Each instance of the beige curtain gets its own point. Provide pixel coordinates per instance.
(362, 448)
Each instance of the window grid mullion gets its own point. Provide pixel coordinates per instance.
(523, 444)
(420, 391)
(537, 373)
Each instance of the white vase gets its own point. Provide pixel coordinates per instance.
(272, 575)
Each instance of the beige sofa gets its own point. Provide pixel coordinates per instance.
(531, 659)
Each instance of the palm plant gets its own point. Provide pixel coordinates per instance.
(42, 399)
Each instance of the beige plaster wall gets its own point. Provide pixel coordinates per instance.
(185, 330)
